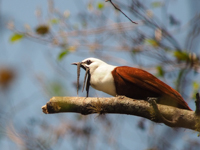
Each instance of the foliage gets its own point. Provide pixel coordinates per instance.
(63, 54)
(100, 5)
(43, 29)
(100, 30)
(16, 37)
(181, 55)
(161, 71)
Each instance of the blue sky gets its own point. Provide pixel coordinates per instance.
(32, 60)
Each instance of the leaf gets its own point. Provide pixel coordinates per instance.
(42, 29)
(161, 72)
(55, 88)
(196, 86)
(100, 5)
(156, 4)
(54, 21)
(181, 55)
(195, 90)
(136, 50)
(6, 77)
(90, 6)
(16, 37)
(63, 54)
(72, 48)
(151, 42)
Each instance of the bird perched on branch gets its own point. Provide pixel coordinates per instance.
(128, 81)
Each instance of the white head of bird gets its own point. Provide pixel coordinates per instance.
(101, 76)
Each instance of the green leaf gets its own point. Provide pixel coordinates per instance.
(156, 4)
(63, 54)
(161, 72)
(100, 5)
(55, 88)
(16, 37)
(151, 42)
(181, 55)
(54, 21)
(195, 90)
(196, 86)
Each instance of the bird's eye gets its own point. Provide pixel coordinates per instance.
(88, 62)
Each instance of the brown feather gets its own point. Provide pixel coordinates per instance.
(139, 84)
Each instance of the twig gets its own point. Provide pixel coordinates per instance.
(197, 102)
(120, 11)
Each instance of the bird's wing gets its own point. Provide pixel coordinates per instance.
(147, 81)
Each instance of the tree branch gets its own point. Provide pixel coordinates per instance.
(122, 105)
(197, 102)
(120, 11)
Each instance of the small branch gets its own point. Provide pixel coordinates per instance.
(123, 105)
(120, 11)
(197, 102)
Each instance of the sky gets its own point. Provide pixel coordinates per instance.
(28, 57)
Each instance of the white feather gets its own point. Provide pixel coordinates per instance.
(101, 76)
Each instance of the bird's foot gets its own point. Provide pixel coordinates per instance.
(152, 101)
(120, 96)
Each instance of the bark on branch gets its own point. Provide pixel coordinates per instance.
(173, 117)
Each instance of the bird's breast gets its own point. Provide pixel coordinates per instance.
(102, 80)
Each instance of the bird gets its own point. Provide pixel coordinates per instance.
(131, 82)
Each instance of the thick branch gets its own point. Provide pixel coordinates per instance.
(123, 105)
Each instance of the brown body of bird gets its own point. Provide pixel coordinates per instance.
(145, 85)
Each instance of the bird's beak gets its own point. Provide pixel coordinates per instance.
(81, 64)
(75, 63)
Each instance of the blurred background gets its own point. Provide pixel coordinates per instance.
(40, 39)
